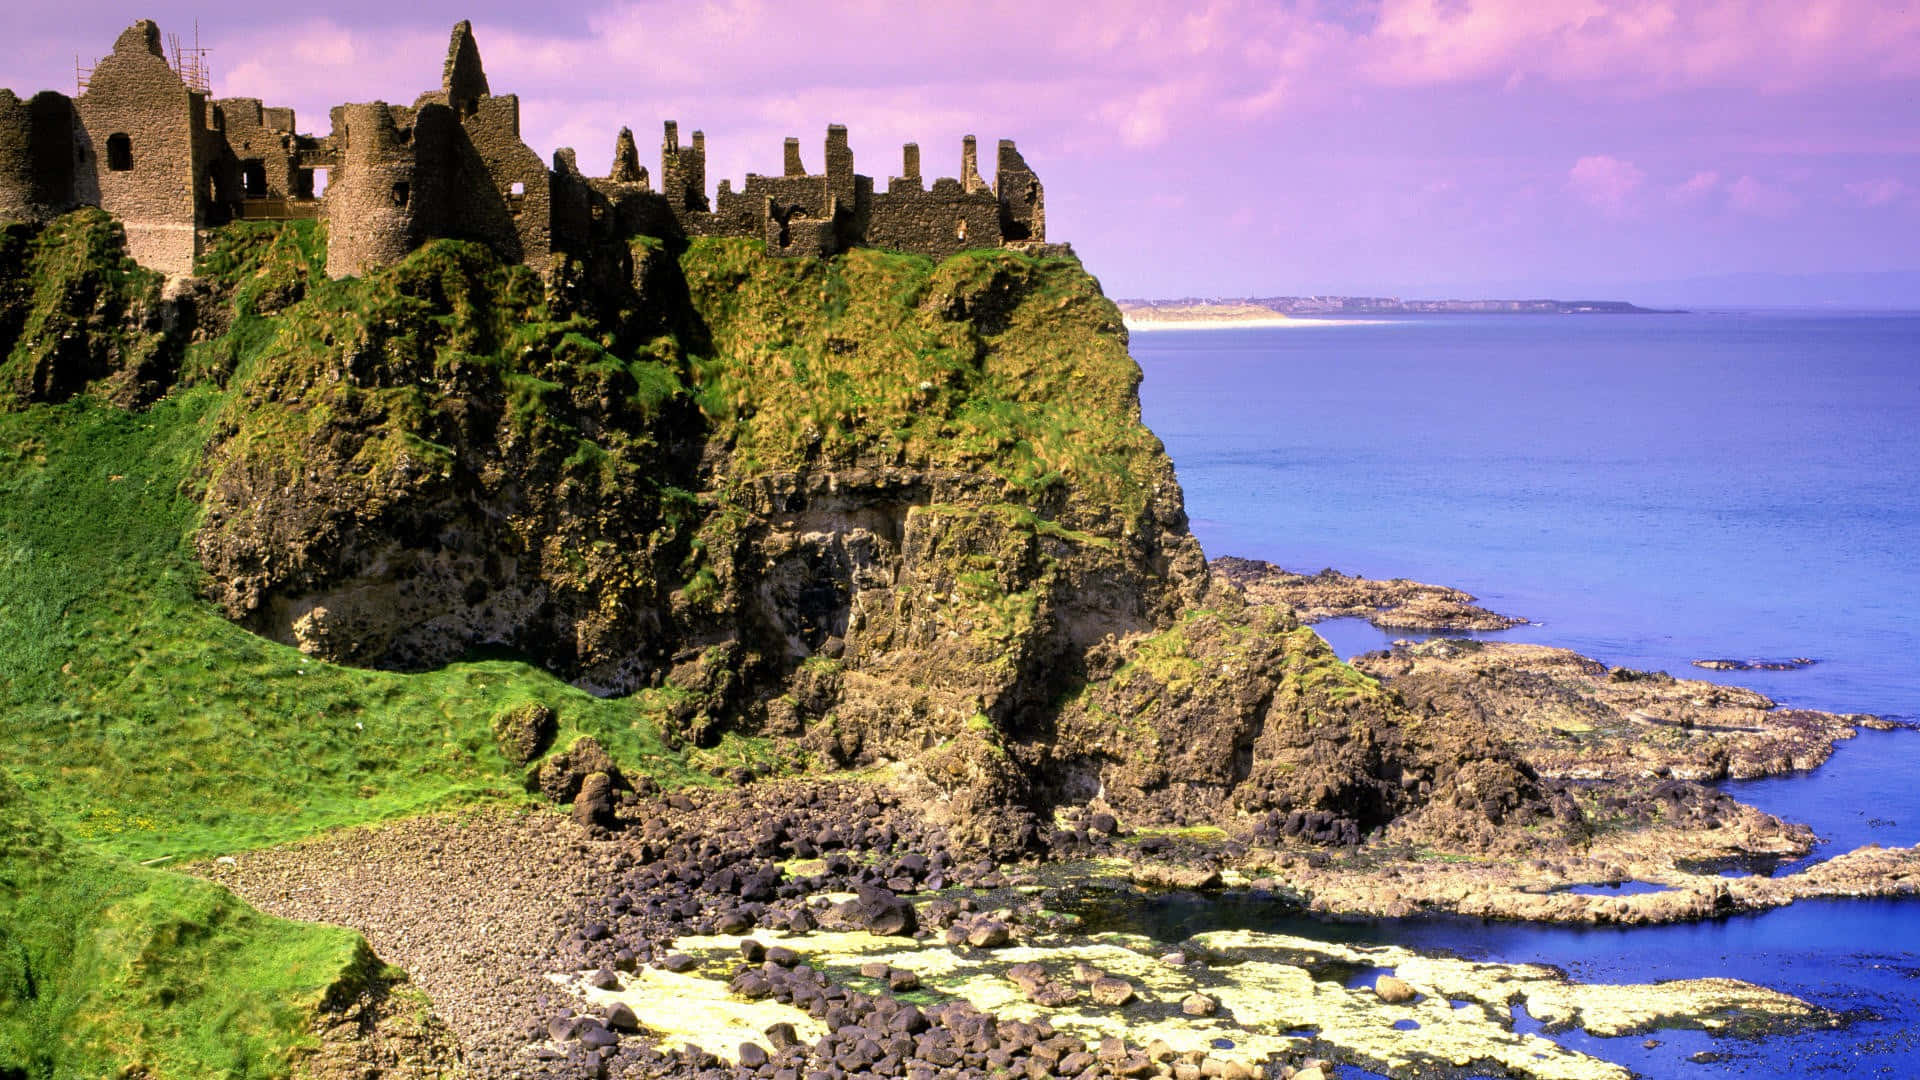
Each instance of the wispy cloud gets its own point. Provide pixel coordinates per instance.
(1878, 192)
(1696, 187)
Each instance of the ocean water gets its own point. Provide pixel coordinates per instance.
(1650, 490)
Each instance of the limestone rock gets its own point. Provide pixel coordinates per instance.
(593, 803)
(561, 775)
(1393, 990)
(1111, 991)
(1198, 1004)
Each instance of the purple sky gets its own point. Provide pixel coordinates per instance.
(1414, 147)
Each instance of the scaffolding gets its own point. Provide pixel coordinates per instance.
(190, 62)
(187, 61)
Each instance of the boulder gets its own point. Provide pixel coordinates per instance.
(1393, 990)
(989, 934)
(1108, 990)
(561, 775)
(524, 731)
(593, 803)
(880, 912)
(620, 1018)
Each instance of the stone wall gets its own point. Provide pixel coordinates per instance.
(1023, 203)
(141, 156)
(261, 153)
(370, 200)
(943, 221)
(36, 156)
(144, 146)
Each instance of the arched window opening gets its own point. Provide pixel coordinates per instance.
(253, 179)
(119, 152)
(400, 192)
(960, 230)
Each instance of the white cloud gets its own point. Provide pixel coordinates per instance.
(1696, 187)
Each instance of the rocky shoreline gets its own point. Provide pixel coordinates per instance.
(1392, 604)
(821, 928)
(822, 925)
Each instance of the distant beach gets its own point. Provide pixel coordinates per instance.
(1250, 322)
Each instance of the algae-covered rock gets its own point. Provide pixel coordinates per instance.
(524, 731)
(1272, 998)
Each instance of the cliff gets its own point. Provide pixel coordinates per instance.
(282, 548)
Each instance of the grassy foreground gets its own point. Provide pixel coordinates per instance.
(103, 964)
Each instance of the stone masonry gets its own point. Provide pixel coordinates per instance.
(142, 144)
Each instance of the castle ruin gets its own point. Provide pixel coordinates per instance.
(148, 144)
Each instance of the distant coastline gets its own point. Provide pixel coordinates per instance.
(1190, 313)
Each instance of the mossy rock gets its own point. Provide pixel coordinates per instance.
(524, 731)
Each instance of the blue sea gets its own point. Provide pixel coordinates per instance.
(1650, 490)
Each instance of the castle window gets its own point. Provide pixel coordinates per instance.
(119, 152)
(517, 189)
(400, 192)
(253, 179)
(309, 183)
(960, 230)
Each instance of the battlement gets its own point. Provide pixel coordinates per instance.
(145, 141)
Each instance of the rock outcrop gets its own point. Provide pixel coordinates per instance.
(1575, 718)
(876, 508)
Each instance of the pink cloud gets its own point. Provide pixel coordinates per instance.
(1749, 196)
(1696, 187)
(1639, 46)
(1606, 183)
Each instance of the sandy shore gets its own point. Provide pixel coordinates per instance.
(1278, 321)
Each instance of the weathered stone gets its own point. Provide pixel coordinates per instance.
(1393, 991)
(593, 803)
(1107, 990)
(989, 934)
(524, 731)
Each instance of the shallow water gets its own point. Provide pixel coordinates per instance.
(1651, 490)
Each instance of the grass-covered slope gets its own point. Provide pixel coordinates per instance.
(76, 312)
(108, 969)
(143, 721)
(993, 361)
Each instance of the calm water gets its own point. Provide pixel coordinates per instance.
(1651, 490)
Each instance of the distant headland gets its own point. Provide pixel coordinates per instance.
(1188, 312)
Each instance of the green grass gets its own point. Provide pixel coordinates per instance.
(107, 969)
(142, 721)
(989, 360)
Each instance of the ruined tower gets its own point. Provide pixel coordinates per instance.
(143, 149)
(452, 165)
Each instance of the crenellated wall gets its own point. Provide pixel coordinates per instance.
(155, 152)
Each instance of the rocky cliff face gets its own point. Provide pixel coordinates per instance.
(881, 509)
